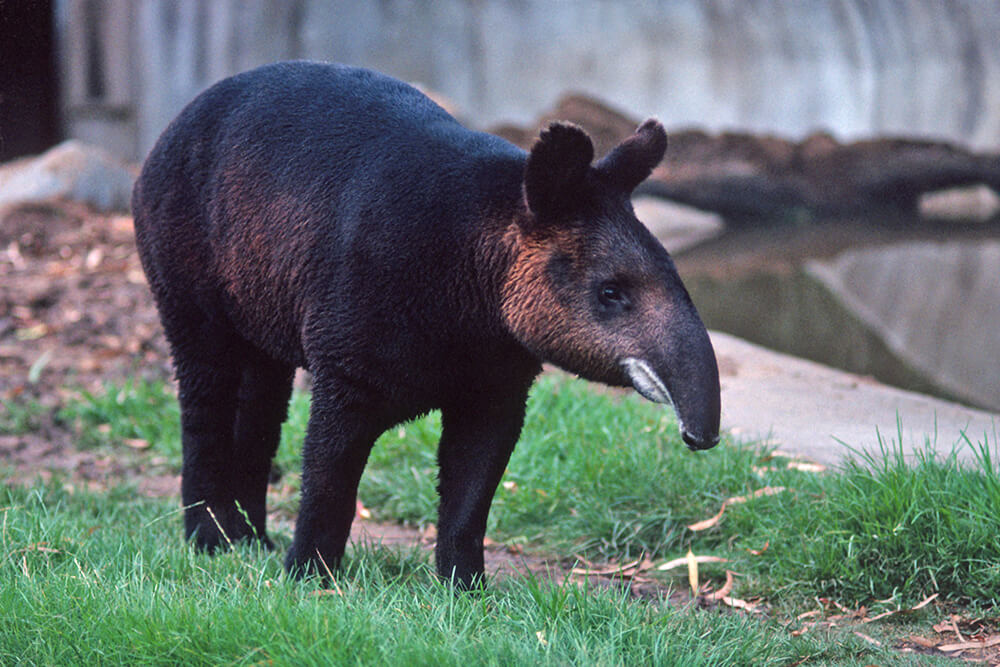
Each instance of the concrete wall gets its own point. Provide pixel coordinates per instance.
(854, 67)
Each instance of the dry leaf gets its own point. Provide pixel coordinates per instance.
(806, 627)
(922, 641)
(726, 589)
(94, 258)
(33, 332)
(757, 552)
(884, 614)
(677, 562)
(611, 569)
(806, 466)
(541, 638)
(136, 443)
(736, 603)
(868, 639)
(692, 564)
(942, 627)
(962, 646)
(708, 523)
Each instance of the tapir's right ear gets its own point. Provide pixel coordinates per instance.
(556, 173)
(633, 160)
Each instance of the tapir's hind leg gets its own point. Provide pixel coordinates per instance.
(208, 387)
(262, 405)
(232, 402)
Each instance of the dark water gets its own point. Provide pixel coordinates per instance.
(919, 315)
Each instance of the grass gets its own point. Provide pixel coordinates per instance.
(607, 477)
(594, 475)
(87, 579)
(20, 416)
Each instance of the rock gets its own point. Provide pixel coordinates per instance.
(975, 203)
(746, 177)
(70, 171)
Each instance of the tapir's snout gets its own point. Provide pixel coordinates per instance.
(696, 442)
(684, 374)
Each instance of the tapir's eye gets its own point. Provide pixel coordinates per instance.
(611, 294)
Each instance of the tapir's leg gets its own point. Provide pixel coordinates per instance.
(208, 379)
(477, 439)
(262, 405)
(340, 435)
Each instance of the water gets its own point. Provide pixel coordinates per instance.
(918, 314)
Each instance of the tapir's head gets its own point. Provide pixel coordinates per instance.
(592, 291)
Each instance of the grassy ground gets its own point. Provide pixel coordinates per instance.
(91, 579)
(87, 577)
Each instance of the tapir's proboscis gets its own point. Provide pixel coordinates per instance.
(335, 219)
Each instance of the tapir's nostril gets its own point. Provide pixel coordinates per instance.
(695, 442)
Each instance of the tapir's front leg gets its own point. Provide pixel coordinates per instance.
(339, 438)
(477, 439)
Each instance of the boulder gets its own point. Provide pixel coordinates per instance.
(70, 171)
(746, 177)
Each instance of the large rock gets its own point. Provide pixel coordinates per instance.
(747, 177)
(70, 171)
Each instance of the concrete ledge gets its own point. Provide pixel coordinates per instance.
(814, 411)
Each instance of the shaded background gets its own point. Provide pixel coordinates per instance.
(852, 67)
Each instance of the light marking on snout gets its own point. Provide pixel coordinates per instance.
(646, 381)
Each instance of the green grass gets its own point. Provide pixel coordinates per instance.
(886, 528)
(20, 416)
(594, 475)
(140, 409)
(104, 579)
(606, 477)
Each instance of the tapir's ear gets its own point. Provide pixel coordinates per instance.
(556, 173)
(633, 160)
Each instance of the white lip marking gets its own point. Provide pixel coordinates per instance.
(646, 381)
(649, 384)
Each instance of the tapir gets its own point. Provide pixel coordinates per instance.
(336, 219)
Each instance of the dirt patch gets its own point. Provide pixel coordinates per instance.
(74, 307)
(75, 312)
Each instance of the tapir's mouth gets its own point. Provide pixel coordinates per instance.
(645, 381)
(695, 442)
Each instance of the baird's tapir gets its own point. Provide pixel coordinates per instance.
(335, 219)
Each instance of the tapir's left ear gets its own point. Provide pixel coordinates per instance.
(555, 175)
(633, 160)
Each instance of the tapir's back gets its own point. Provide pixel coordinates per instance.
(312, 129)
